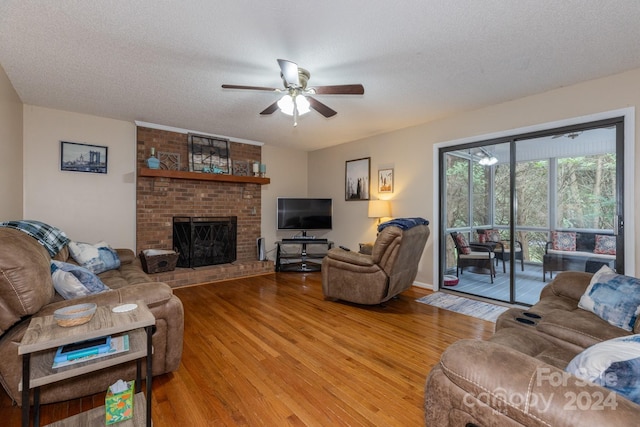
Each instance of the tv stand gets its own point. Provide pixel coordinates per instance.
(303, 236)
(300, 260)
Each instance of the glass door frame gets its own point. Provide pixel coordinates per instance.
(625, 128)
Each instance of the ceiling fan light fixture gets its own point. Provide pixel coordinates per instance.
(488, 161)
(487, 158)
(298, 99)
(286, 104)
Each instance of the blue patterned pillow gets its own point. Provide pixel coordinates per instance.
(95, 258)
(72, 281)
(613, 297)
(614, 364)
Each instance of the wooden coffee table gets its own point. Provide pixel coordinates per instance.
(44, 336)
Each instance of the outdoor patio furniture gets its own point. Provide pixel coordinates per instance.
(503, 252)
(478, 258)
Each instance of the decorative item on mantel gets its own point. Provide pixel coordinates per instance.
(240, 168)
(209, 155)
(153, 162)
(169, 161)
(256, 169)
(263, 170)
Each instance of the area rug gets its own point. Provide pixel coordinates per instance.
(470, 307)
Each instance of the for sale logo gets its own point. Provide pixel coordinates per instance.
(588, 397)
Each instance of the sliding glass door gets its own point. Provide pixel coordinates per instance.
(530, 206)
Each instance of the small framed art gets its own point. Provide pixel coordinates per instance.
(357, 177)
(76, 157)
(385, 181)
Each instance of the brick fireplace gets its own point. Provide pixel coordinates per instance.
(160, 198)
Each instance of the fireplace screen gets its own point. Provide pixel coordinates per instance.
(204, 241)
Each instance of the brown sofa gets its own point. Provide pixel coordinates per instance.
(26, 290)
(517, 377)
(389, 270)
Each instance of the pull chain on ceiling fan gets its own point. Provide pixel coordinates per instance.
(297, 99)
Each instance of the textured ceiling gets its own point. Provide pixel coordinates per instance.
(163, 61)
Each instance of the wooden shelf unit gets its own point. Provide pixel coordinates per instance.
(44, 335)
(96, 416)
(201, 176)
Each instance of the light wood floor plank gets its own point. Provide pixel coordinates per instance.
(271, 351)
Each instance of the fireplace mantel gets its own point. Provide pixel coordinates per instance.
(200, 176)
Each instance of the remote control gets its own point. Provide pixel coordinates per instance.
(345, 248)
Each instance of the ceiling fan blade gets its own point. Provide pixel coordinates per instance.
(270, 89)
(321, 108)
(270, 109)
(340, 90)
(289, 72)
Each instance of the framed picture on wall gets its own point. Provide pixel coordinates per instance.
(208, 154)
(76, 157)
(385, 181)
(357, 178)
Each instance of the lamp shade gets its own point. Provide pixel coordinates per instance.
(379, 208)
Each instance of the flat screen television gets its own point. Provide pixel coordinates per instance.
(304, 213)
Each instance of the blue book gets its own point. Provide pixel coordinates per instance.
(82, 349)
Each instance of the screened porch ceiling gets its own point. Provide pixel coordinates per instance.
(571, 144)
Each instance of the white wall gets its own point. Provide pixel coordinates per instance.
(410, 153)
(287, 170)
(10, 151)
(89, 207)
(412, 196)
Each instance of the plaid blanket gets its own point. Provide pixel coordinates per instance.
(403, 223)
(48, 236)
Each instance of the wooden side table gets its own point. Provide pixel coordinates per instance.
(44, 336)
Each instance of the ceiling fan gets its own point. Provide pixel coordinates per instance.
(297, 99)
(572, 135)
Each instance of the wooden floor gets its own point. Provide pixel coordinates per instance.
(270, 351)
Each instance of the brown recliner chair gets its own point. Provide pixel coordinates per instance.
(373, 279)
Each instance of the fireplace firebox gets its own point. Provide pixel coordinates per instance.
(204, 241)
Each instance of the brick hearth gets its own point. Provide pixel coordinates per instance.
(159, 199)
(214, 273)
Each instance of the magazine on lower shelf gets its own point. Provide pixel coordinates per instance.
(119, 344)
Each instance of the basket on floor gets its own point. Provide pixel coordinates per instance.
(158, 260)
(450, 280)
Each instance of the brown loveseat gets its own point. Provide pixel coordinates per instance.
(389, 270)
(26, 290)
(517, 377)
